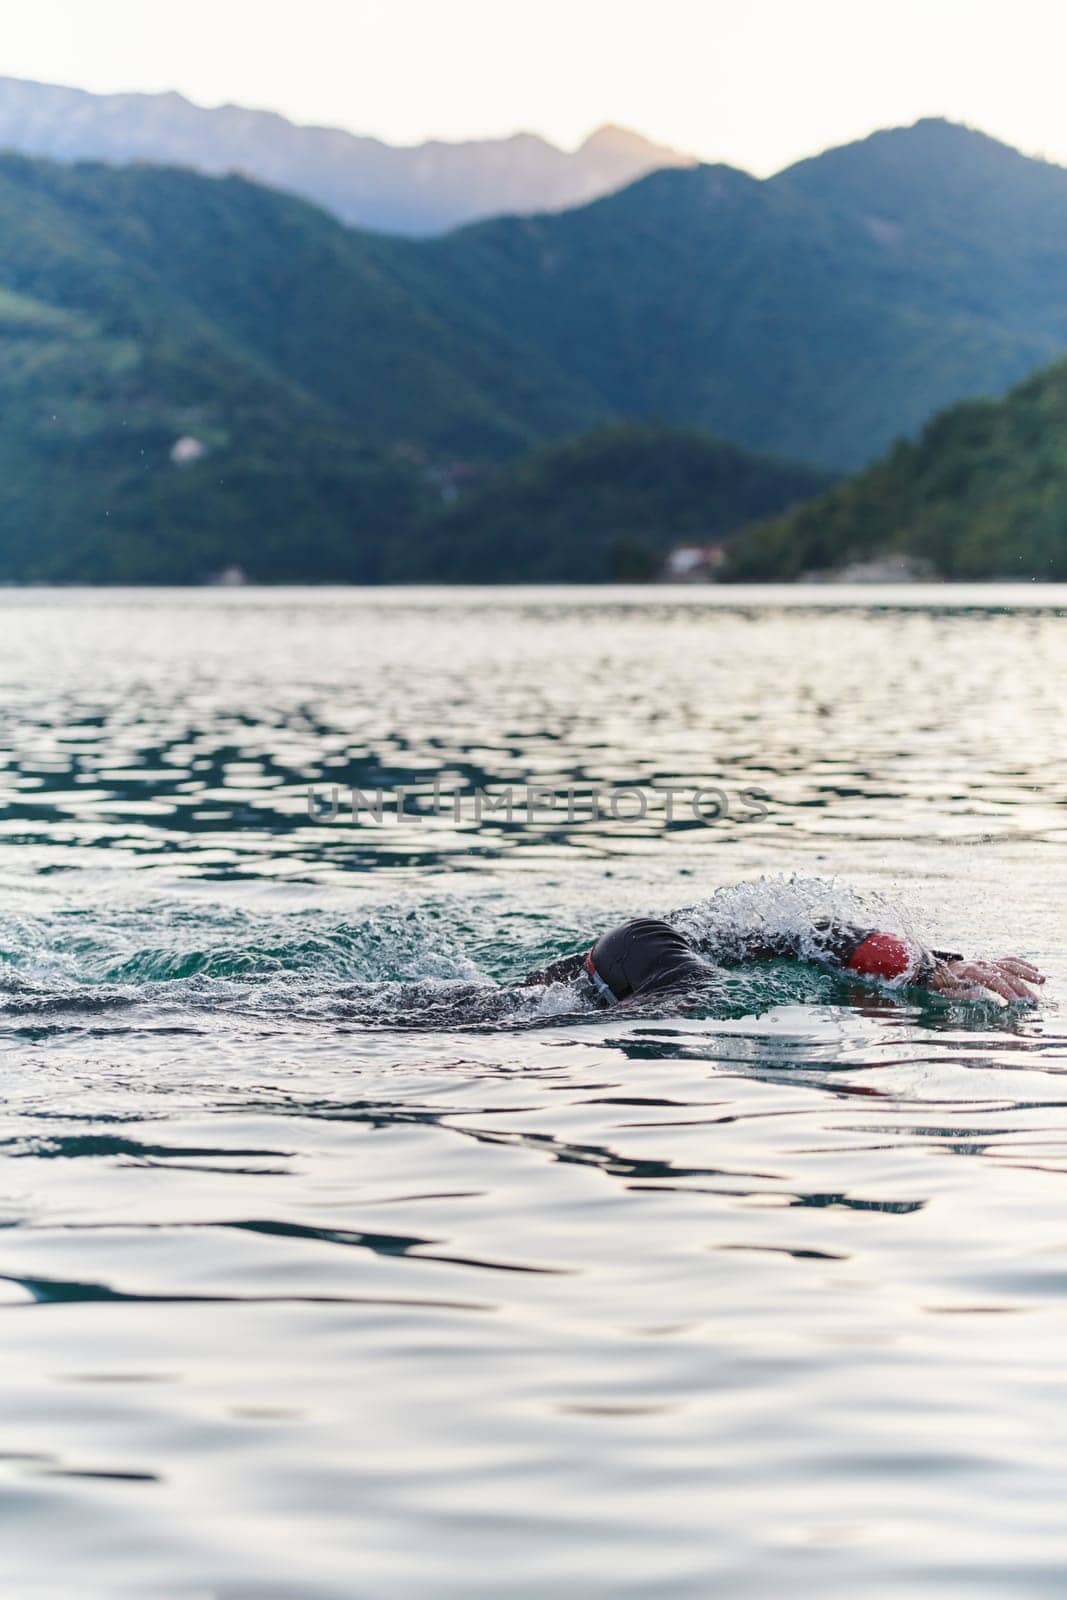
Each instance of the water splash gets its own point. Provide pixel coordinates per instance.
(441, 963)
(807, 912)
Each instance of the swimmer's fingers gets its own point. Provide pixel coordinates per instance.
(947, 980)
(954, 988)
(962, 991)
(990, 975)
(1018, 975)
(976, 980)
(1021, 968)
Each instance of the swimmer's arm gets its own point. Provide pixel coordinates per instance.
(890, 957)
(567, 970)
(866, 952)
(840, 945)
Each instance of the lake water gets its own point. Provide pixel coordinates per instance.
(325, 1272)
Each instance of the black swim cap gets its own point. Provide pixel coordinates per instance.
(641, 957)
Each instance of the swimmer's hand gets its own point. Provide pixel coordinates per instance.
(1009, 977)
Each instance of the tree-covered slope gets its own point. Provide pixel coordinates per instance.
(140, 306)
(334, 379)
(103, 368)
(316, 396)
(982, 493)
(819, 314)
(344, 316)
(606, 506)
(965, 215)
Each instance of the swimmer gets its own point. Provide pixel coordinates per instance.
(647, 956)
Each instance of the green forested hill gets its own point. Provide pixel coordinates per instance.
(335, 380)
(606, 506)
(140, 306)
(347, 317)
(326, 384)
(981, 494)
(820, 314)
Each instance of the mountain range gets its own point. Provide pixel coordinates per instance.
(418, 189)
(819, 314)
(202, 371)
(198, 374)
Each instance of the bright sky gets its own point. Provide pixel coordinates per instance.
(754, 82)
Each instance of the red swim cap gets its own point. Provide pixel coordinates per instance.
(883, 955)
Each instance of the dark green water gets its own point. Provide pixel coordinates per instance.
(324, 1272)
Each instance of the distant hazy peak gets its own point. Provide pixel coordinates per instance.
(625, 141)
(418, 189)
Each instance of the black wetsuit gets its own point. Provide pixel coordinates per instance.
(646, 955)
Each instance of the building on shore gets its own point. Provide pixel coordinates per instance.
(693, 563)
